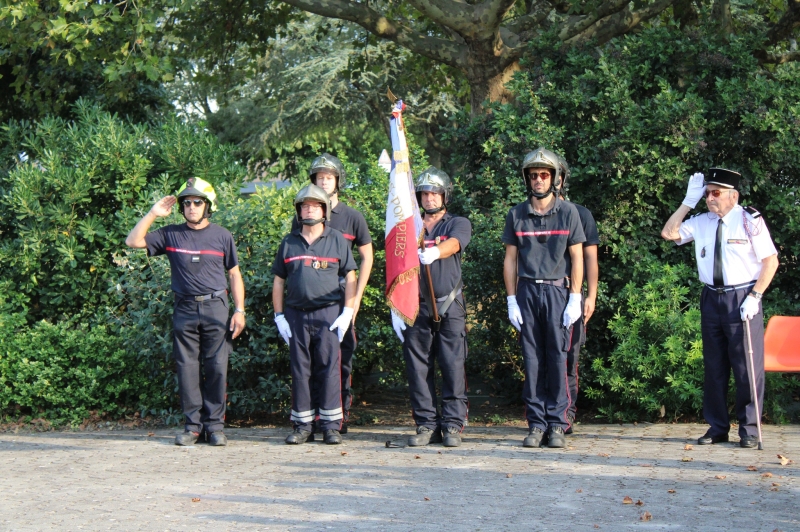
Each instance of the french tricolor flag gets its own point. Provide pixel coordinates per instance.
(403, 227)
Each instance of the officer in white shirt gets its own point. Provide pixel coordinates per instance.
(736, 260)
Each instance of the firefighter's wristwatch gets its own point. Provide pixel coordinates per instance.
(240, 311)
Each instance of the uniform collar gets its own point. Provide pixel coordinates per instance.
(299, 231)
(734, 212)
(531, 212)
(338, 208)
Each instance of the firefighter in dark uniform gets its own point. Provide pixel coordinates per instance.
(313, 322)
(591, 271)
(542, 303)
(446, 236)
(327, 172)
(736, 260)
(199, 254)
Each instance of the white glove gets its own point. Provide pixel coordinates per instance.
(573, 311)
(514, 315)
(749, 308)
(429, 255)
(283, 327)
(342, 322)
(398, 325)
(695, 191)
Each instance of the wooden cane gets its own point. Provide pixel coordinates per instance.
(753, 389)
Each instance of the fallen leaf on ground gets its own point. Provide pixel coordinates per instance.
(627, 500)
(153, 434)
(646, 516)
(344, 453)
(596, 525)
(752, 468)
(417, 456)
(578, 490)
(195, 499)
(570, 448)
(688, 447)
(639, 503)
(440, 452)
(784, 460)
(670, 491)
(604, 455)
(645, 465)
(766, 475)
(427, 498)
(720, 477)
(775, 484)
(773, 489)
(686, 459)
(509, 475)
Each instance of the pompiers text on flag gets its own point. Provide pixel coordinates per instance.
(403, 227)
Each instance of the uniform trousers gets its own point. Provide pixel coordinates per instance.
(573, 354)
(544, 341)
(315, 364)
(201, 345)
(724, 345)
(421, 348)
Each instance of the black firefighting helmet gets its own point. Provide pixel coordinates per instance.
(312, 193)
(434, 180)
(332, 164)
(195, 186)
(542, 158)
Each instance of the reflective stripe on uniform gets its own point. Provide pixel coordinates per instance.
(303, 417)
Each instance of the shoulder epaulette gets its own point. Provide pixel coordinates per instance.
(752, 211)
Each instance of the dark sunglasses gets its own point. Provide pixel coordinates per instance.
(716, 192)
(197, 202)
(540, 175)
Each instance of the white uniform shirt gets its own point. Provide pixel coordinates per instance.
(742, 253)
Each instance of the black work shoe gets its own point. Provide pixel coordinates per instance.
(571, 420)
(333, 437)
(748, 442)
(534, 438)
(451, 437)
(424, 436)
(217, 439)
(299, 436)
(187, 438)
(708, 439)
(343, 430)
(556, 438)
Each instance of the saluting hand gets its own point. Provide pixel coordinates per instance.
(163, 207)
(695, 191)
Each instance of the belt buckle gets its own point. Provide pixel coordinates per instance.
(538, 281)
(720, 290)
(199, 298)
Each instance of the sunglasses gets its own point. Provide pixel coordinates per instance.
(716, 192)
(196, 202)
(539, 175)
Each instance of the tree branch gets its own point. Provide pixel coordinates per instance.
(786, 25)
(619, 23)
(577, 25)
(440, 50)
(537, 14)
(779, 59)
(457, 16)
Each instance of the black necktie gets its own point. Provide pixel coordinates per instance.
(718, 280)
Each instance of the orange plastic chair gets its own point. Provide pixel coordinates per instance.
(782, 344)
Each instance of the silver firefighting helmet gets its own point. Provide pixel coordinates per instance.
(195, 186)
(312, 193)
(332, 164)
(542, 158)
(434, 180)
(565, 174)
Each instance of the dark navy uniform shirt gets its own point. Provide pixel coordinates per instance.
(349, 222)
(558, 229)
(445, 273)
(199, 258)
(312, 271)
(589, 230)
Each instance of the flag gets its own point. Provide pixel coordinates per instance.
(403, 227)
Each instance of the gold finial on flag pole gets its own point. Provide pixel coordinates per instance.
(391, 96)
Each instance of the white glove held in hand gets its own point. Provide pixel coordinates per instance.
(283, 327)
(695, 191)
(342, 322)
(514, 315)
(573, 311)
(429, 255)
(398, 325)
(749, 308)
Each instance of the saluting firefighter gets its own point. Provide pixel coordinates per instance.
(542, 303)
(446, 236)
(736, 260)
(199, 253)
(311, 319)
(591, 272)
(327, 172)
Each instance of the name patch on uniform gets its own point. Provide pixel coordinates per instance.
(737, 241)
(195, 258)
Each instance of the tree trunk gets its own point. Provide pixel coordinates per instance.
(492, 88)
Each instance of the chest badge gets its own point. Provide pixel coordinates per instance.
(437, 240)
(195, 258)
(703, 253)
(315, 264)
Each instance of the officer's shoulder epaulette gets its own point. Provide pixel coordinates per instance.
(696, 215)
(752, 212)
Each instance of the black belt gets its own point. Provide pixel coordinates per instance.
(730, 288)
(218, 293)
(443, 298)
(563, 282)
(311, 309)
